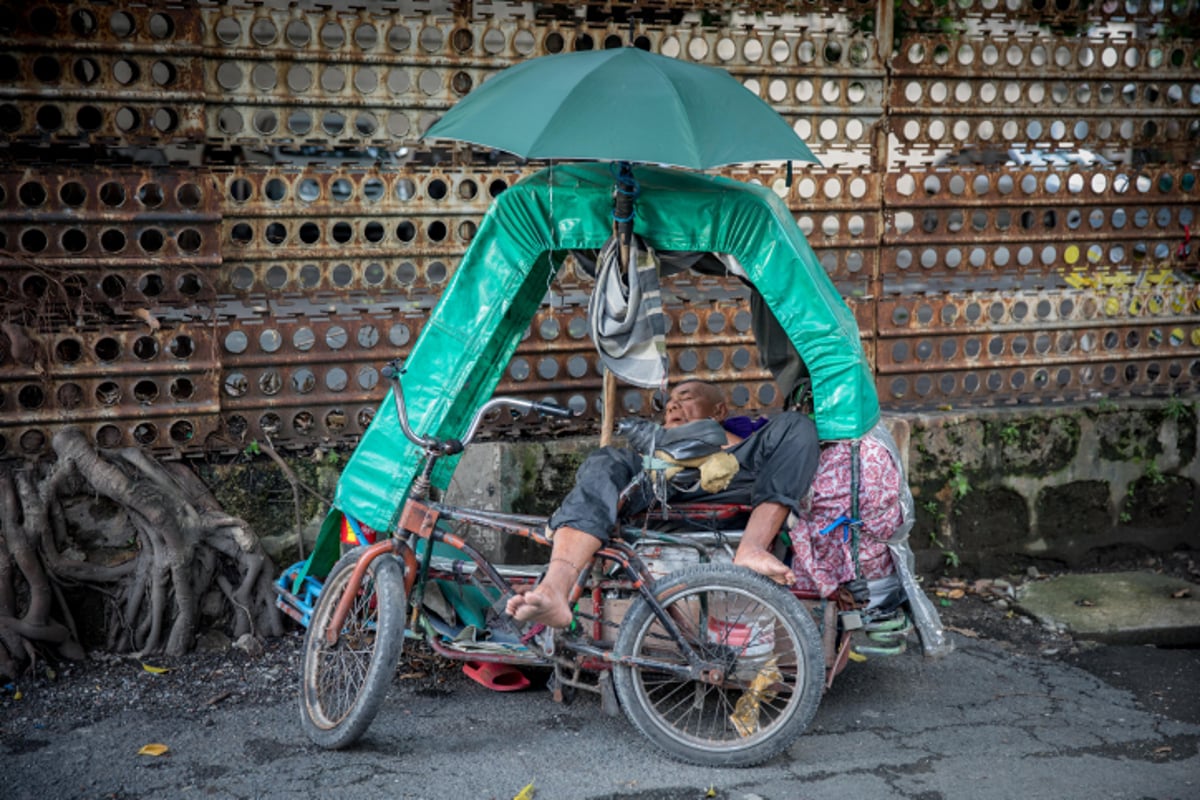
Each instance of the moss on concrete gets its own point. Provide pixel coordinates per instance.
(1158, 501)
(1036, 445)
(545, 478)
(257, 490)
(1183, 415)
(1126, 436)
(1074, 511)
(990, 518)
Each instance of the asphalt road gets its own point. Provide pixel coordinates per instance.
(985, 722)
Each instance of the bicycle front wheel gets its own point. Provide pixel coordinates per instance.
(761, 638)
(344, 683)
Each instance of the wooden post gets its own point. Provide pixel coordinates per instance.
(609, 408)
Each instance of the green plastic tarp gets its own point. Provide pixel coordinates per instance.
(464, 348)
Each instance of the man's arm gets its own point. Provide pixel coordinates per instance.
(783, 458)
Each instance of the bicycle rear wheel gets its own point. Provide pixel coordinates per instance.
(764, 641)
(344, 683)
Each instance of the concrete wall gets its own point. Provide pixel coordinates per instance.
(995, 490)
(1055, 486)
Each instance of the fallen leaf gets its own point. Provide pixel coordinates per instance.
(1185, 592)
(952, 583)
(17, 695)
(712, 792)
(857, 658)
(153, 750)
(963, 631)
(155, 670)
(525, 794)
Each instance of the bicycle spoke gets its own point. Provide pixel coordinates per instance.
(736, 633)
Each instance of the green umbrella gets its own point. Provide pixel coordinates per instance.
(625, 105)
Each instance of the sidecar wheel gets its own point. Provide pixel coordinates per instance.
(768, 647)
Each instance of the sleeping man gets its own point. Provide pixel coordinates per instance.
(771, 470)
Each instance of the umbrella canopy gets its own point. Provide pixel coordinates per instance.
(623, 104)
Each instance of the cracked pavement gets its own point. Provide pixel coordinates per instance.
(984, 722)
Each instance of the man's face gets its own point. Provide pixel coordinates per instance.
(689, 402)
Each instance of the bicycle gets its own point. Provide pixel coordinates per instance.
(715, 664)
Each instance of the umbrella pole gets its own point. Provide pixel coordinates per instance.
(623, 230)
(608, 392)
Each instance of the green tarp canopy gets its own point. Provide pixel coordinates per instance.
(464, 348)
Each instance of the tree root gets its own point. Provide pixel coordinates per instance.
(185, 545)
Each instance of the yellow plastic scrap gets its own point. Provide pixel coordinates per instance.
(716, 470)
(746, 709)
(525, 794)
(153, 750)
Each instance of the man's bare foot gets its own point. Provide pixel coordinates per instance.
(538, 605)
(764, 563)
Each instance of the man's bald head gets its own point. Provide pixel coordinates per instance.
(694, 399)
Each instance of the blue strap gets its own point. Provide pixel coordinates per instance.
(843, 520)
(626, 185)
(356, 530)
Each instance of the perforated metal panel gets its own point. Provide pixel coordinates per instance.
(217, 221)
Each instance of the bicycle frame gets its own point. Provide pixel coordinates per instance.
(421, 518)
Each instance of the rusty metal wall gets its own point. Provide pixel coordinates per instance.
(216, 221)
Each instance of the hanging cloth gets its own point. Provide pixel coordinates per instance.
(626, 317)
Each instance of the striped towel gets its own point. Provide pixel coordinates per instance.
(626, 317)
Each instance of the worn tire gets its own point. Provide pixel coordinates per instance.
(692, 720)
(343, 685)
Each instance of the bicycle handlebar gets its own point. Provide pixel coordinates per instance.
(394, 369)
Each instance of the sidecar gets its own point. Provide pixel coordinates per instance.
(804, 329)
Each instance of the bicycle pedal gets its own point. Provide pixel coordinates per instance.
(545, 640)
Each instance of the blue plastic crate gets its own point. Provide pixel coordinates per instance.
(298, 606)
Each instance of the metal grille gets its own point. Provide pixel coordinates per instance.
(217, 221)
